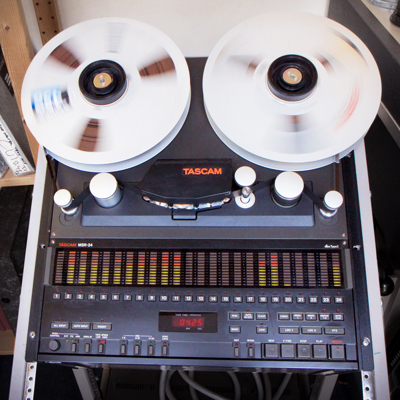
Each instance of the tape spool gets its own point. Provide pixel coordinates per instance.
(106, 94)
(291, 91)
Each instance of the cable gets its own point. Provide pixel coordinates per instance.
(168, 390)
(236, 385)
(282, 386)
(193, 392)
(260, 390)
(200, 388)
(267, 387)
(161, 385)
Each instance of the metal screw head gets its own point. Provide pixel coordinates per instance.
(366, 342)
(32, 334)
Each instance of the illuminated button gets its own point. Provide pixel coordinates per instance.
(102, 327)
(127, 297)
(325, 300)
(139, 297)
(289, 330)
(247, 316)
(319, 351)
(250, 299)
(176, 298)
(56, 296)
(59, 325)
(334, 331)
(80, 325)
(262, 299)
(311, 317)
(303, 351)
(100, 348)
(297, 317)
(213, 299)
(200, 299)
(300, 299)
(234, 315)
(337, 352)
(283, 316)
(338, 317)
(164, 298)
(313, 299)
(68, 296)
(275, 299)
(237, 299)
(263, 316)
(188, 298)
(151, 297)
(103, 296)
(311, 331)
(288, 299)
(339, 300)
(261, 329)
(271, 350)
(234, 329)
(80, 296)
(225, 299)
(115, 297)
(287, 350)
(324, 317)
(87, 347)
(91, 296)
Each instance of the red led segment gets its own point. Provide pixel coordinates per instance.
(188, 322)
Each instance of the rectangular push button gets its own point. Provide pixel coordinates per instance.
(102, 327)
(81, 325)
(337, 352)
(59, 325)
(287, 350)
(319, 351)
(304, 351)
(271, 350)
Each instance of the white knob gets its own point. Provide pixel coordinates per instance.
(63, 198)
(289, 185)
(104, 188)
(245, 176)
(332, 200)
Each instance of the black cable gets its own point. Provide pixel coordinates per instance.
(260, 390)
(201, 388)
(282, 386)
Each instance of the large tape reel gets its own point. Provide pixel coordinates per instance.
(291, 91)
(106, 94)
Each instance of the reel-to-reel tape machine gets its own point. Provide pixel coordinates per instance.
(206, 209)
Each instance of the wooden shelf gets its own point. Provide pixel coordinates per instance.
(7, 340)
(10, 180)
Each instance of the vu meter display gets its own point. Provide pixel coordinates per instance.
(188, 322)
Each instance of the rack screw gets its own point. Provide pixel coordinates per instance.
(32, 334)
(366, 342)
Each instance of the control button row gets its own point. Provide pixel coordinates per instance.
(304, 351)
(310, 317)
(247, 316)
(96, 326)
(294, 330)
(198, 298)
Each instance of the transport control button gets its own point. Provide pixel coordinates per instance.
(319, 351)
(337, 352)
(271, 350)
(303, 350)
(54, 345)
(287, 350)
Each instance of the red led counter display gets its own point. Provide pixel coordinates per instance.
(190, 322)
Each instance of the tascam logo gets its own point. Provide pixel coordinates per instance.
(202, 171)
